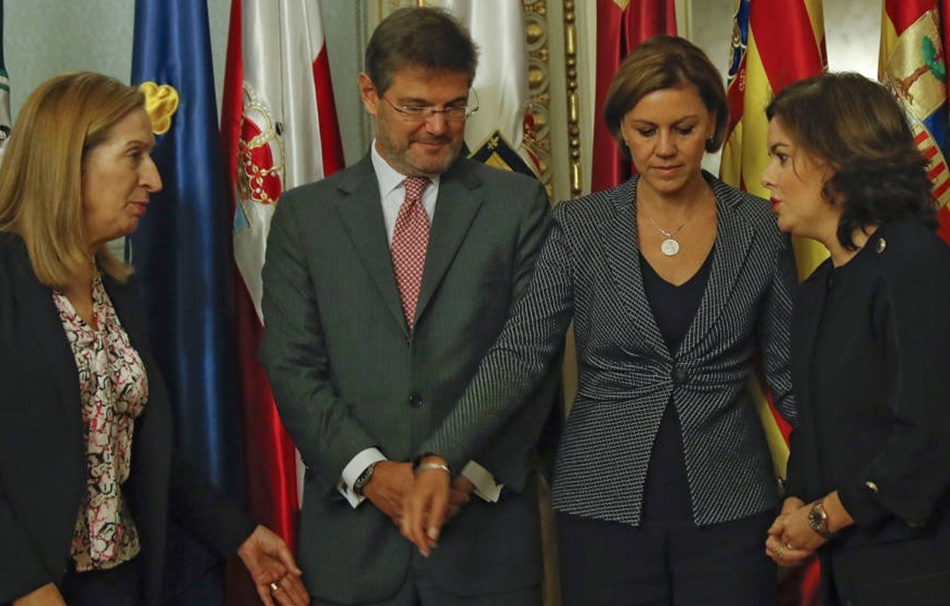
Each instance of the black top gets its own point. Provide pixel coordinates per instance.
(674, 307)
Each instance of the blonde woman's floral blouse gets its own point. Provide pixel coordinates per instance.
(114, 389)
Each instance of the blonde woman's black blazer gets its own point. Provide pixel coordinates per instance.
(42, 455)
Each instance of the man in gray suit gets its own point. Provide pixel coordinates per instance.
(384, 286)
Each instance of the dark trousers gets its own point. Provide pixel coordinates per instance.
(610, 564)
(119, 586)
(422, 592)
(667, 560)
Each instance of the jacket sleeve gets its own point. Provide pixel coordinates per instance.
(520, 357)
(505, 455)
(909, 477)
(773, 333)
(204, 511)
(294, 352)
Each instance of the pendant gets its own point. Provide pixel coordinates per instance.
(670, 247)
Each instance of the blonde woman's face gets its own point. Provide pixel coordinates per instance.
(118, 176)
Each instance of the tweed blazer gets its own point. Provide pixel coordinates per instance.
(589, 273)
(347, 373)
(43, 466)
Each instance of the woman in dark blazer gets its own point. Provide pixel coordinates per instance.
(676, 284)
(88, 479)
(869, 472)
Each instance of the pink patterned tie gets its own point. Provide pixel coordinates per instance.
(410, 239)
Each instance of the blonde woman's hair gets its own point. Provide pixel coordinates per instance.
(42, 171)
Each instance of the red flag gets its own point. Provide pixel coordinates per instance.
(914, 67)
(278, 130)
(774, 43)
(621, 26)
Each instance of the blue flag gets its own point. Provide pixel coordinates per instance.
(181, 248)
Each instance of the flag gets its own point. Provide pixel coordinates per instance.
(501, 133)
(621, 26)
(180, 251)
(5, 122)
(913, 67)
(180, 248)
(774, 43)
(278, 130)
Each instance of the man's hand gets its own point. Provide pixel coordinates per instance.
(273, 569)
(460, 493)
(423, 510)
(386, 489)
(47, 595)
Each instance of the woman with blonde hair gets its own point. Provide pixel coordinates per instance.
(88, 479)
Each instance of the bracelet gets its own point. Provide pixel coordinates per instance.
(422, 466)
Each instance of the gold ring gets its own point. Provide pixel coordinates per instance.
(778, 550)
(274, 586)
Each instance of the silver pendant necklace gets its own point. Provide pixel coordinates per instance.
(671, 246)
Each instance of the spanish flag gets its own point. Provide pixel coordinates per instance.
(774, 43)
(913, 66)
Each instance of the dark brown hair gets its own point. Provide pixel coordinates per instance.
(856, 126)
(419, 37)
(659, 63)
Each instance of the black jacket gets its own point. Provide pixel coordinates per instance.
(42, 455)
(870, 346)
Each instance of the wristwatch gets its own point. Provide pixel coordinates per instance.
(364, 479)
(818, 520)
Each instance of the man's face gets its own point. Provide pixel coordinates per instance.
(423, 145)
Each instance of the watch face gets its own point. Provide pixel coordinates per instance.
(818, 518)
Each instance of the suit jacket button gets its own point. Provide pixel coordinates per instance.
(680, 376)
(415, 400)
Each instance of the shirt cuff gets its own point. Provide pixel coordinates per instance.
(485, 486)
(352, 471)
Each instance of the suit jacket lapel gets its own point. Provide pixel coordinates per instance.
(733, 240)
(360, 210)
(621, 246)
(457, 205)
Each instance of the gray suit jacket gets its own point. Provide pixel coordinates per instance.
(348, 375)
(589, 272)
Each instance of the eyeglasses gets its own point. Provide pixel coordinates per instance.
(419, 113)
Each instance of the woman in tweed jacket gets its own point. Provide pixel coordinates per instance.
(677, 285)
